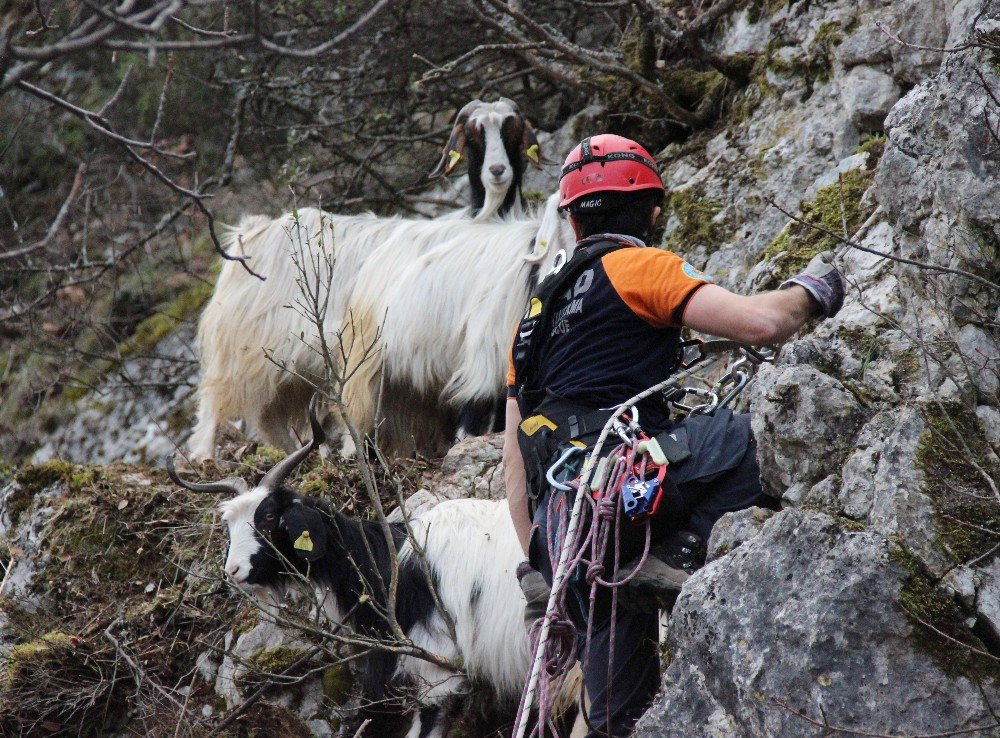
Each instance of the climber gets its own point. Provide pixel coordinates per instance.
(601, 329)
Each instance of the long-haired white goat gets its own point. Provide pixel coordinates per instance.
(258, 352)
(442, 327)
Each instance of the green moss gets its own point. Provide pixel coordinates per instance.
(931, 608)
(157, 327)
(337, 684)
(956, 459)
(275, 660)
(264, 665)
(693, 88)
(253, 466)
(34, 478)
(833, 206)
(64, 680)
(873, 145)
(697, 227)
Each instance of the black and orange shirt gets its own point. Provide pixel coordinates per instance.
(616, 331)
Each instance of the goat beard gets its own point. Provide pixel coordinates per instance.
(492, 202)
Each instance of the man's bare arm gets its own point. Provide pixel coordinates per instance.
(770, 317)
(513, 476)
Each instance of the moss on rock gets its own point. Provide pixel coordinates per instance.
(960, 474)
(263, 666)
(939, 623)
(68, 683)
(834, 207)
(697, 225)
(338, 684)
(35, 478)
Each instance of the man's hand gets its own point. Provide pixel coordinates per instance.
(823, 283)
(536, 592)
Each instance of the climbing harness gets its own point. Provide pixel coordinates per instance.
(629, 481)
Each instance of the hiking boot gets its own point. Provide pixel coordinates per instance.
(668, 565)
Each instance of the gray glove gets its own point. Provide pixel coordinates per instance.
(823, 283)
(536, 592)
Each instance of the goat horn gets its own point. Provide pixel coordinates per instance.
(456, 143)
(233, 485)
(280, 471)
(513, 105)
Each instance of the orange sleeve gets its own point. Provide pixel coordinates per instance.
(655, 284)
(511, 377)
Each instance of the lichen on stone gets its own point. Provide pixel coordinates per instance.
(696, 215)
(838, 208)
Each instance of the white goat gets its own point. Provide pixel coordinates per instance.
(257, 353)
(443, 326)
(278, 537)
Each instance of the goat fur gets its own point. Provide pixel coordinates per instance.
(257, 354)
(443, 326)
(472, 553)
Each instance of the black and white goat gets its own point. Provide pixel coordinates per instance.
(471, 552)
(249, 329)
(496, 139)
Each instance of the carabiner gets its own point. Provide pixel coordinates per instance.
(560, 462)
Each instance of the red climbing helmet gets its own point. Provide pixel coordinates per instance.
(607, 163)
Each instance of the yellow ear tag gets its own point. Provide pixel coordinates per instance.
(532, 153)
(454, 156)
(535, 307)
(303, 542)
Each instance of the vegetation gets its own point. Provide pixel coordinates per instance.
(961, 477)
(939, 623)
(834, 214)
(697, 222)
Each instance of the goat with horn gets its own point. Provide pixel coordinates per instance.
(278, 537)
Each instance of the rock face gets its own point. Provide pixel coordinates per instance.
(800, 622)
(879, 427)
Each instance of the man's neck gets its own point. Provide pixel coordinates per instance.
(621, 237)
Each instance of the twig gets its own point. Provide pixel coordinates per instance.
(260, 692)
(944, 50)
(56, 224)
(6, 574)
(824, 723)
(140, 672)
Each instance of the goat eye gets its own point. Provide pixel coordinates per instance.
(269, 517)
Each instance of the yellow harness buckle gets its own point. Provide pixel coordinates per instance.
(531, 426)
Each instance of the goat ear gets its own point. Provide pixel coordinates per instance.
(305, 530)
(529, 142)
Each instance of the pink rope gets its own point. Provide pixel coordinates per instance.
(587, 552)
